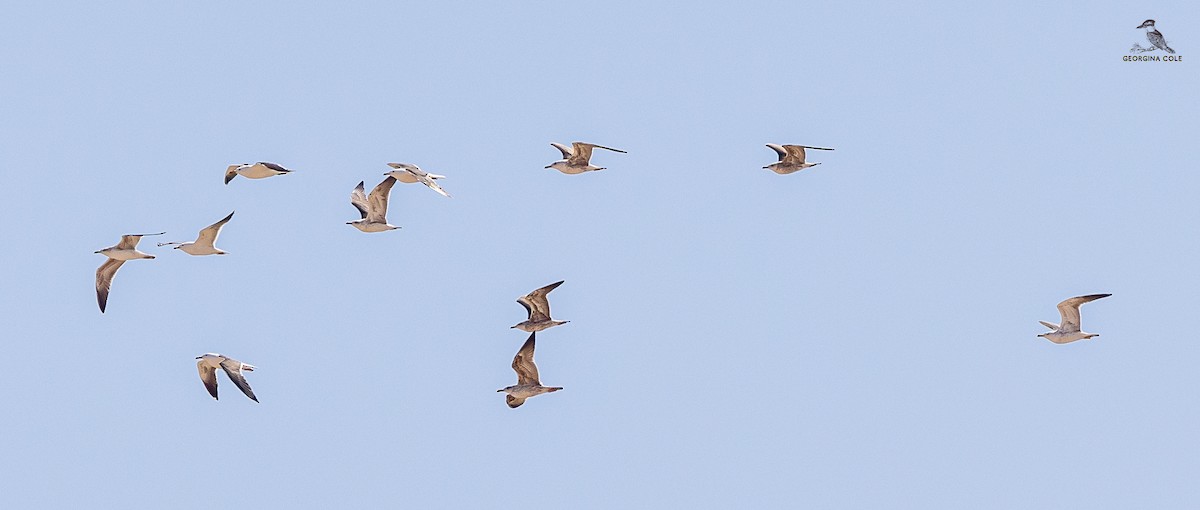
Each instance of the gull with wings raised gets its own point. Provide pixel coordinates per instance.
(373, 209)
(538, 307)
(260, 170)
(410, 174)
(528, 385)
(211, 361)
(791, 158)
(117, 255)
(577, 158)
(1068, 331)
(205, 243)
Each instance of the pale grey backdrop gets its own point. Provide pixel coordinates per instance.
(858, 335)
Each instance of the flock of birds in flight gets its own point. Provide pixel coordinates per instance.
(373, 211)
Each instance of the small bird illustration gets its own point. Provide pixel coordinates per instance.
(117, 255)
(205, 244)
(577, 158)
(410, 174)
(538, 306)
(528, 385)
(374, 209)
(260, 170)
(211, 361)
(1068, 331)
(1155, 37)
(791, 158)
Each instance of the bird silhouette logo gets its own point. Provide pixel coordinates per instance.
(1157, 41)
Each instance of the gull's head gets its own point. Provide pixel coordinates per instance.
(1147, 23)
(403, 166)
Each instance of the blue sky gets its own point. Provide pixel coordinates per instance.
(858, 335)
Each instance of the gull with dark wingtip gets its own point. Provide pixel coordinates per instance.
(205, 243)
(577, 158)
(211, 361)
(373, 209)
(260, 170)
(538, 306)
(410, 174)
(1068, 331)
(117, 254)
(528, 385)
(791, 158)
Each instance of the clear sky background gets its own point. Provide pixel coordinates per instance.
(857, 335)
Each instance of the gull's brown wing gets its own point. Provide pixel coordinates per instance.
(233, 368)
(582, 153)
(104, 277)
(527, 372)
(378, 201)
(130, 241)
(208, 236)
(358, 199)
(209, 376)
(1069, 310)
(795, 154)
(513, 402)
(537, 303)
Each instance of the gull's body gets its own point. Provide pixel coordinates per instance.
(373, 209)
(528, 385)
(791, 158)
(210, 362)
(577, 158)
(117, 255)
(205, 243)
(260, 170)
(1155, 37)
(410, 174)
(1069, 330)
(538, 306)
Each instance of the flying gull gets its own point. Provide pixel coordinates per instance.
(1068, 331)
(528, 384)
(205, 244)
(260, 170)
(208, 364)
(791, 158)
(373, 210)
(1155, 37)
(576, 157)
(538, 307)
(117, 255)
(409, 174)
